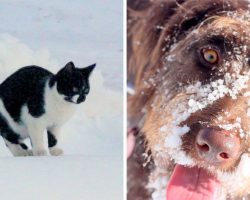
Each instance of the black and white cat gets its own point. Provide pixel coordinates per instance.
(35, 103)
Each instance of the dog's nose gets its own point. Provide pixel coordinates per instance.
(217, 147)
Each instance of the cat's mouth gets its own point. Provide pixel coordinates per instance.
(68, 99)
(75, 101)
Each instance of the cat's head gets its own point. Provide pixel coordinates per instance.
(73, 83)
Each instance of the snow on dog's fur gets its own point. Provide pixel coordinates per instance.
(181, 91)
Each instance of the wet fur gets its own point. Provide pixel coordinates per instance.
(153, 28)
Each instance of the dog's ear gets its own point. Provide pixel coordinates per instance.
(144, 31)
(136, 5)
(145, 27)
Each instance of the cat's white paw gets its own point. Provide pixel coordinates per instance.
(40, 152)
(24, 153)
(27, 153)
(56, 151)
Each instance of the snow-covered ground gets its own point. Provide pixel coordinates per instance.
(49, 34)
(56, 178)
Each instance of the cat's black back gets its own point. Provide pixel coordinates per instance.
(25, 86)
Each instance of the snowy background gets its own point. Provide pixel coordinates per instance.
(49, 34)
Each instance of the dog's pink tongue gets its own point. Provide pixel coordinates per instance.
(192, 184)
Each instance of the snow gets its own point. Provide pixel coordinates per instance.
(158, 182)
(49, 34)
(82, 31)
(174, 140)
(240, 176)
(68, 177)
(199, 97)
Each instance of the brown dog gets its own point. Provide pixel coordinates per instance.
(189, 62)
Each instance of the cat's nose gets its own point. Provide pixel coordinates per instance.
(86, 92)
(216, 146)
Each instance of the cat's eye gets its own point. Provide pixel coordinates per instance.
(75, 89)
(210, 55)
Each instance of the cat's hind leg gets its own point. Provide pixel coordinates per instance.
(53, 135)
(12, 139)
(18, 149)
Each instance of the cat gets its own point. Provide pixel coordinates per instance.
(35, 103)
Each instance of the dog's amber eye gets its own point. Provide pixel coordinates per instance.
(210, 55)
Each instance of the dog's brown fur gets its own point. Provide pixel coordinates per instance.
(154, 28)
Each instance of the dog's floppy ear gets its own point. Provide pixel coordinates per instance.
(144, 30)
(145, 26)
(137, 4)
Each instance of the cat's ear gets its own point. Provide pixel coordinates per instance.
(69, 67)
(88, 70)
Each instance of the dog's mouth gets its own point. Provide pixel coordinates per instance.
(192, 183)
(196, 182)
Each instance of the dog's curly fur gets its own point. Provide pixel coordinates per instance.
(163, 61)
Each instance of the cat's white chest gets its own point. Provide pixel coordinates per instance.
(57, 110)
(57, 113)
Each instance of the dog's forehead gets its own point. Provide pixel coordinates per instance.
(230, 34)
(232, 27)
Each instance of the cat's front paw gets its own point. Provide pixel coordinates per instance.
(56, 151)
(40, 152)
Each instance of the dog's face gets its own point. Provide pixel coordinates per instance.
(203, 94)
(199, 117)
